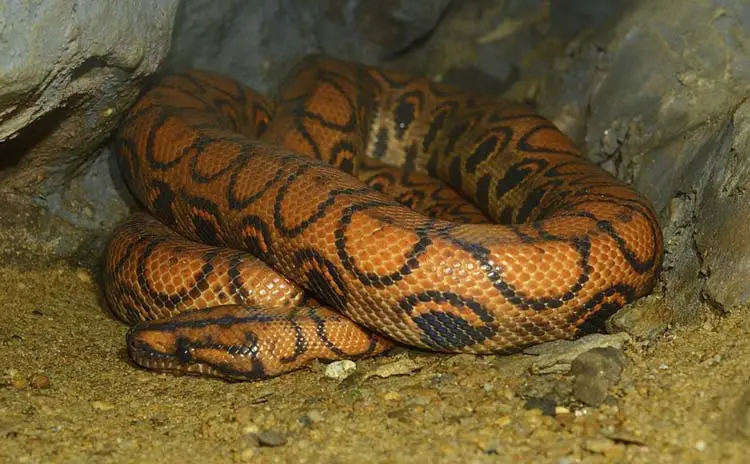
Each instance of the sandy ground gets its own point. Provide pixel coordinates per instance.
(69, 394)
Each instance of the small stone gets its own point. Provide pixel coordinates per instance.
(403, 366)
(439, 380)
(83, 275)
(270, 438)
(392, 396)
(18, 383)
(557, 357)
(700, 445)
(625, 437)
(40, 381)
(595, 372)
(503, 421)
(339, 370)
(599, 445)
(101, 406)
(545, 404)
(644, 319)
(590, 390)
(310, 417)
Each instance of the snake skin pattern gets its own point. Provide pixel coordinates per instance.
(360, 207)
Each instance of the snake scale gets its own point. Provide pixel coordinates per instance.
(360, 207)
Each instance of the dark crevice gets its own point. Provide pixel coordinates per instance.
(89, 64)
(13, 151)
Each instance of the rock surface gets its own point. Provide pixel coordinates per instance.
(68, 71)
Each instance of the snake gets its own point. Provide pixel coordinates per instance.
(357, 209)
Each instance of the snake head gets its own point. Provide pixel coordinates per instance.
(215, 342)
(241, 343)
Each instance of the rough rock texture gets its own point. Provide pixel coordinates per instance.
(68, 70)
(257, 42)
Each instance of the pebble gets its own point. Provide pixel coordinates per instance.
(83, 275)
(101, 406)
(339, 370)
(270, 438)
(18, 383)
(439, 380)
(40, 381)
(311, 417)
(392, 396)
(625, 437)
(544, 404)
(644, 319)
(599, 445)
(596, 371)
(403, 366)
(315, 415)
(503, 421)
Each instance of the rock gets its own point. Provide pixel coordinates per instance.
(102, 405)
(556, 357)
(595, 372)
(68, 71)
(311, 417)
(39, 381)
(271, 438)
(440, 379)
(545, 404)
(340, 370)
(599, 445)
(259, 42)
(401, 366)
(392, 396)
(646, 318)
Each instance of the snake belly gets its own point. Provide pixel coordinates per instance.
(360, 207)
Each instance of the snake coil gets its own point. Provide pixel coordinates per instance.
(359, 207)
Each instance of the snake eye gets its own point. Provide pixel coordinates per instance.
(182, 350)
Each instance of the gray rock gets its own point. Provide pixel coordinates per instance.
(68, 71)
(271, 438)
(595, 372)
(557, 357)
(258, 42)
(646, 318)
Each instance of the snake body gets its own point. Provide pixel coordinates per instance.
(360, 207)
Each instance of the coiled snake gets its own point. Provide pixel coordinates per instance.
(359, 207)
